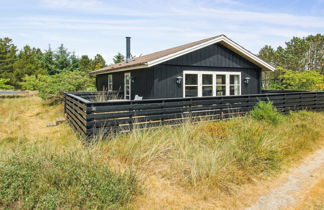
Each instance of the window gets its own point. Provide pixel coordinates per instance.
(110, 83)
(235, 85)
(127, 86)
(191, 85)
(212, 83)
(207, 85)
(221, 85)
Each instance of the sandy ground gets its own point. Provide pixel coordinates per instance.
(292, 190)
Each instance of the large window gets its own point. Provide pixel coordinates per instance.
(213, 83)
(110, 83)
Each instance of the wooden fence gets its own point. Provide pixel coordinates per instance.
(88, 117)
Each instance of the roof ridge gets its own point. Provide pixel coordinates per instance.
(158, 57)
(142, 57)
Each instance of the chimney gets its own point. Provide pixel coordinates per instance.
(128, 53)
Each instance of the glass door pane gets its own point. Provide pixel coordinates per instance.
(207, 85)
(220, 85)
(127, 86)
(235, 85)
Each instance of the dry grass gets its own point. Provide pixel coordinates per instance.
(314, 200)
(204, 166)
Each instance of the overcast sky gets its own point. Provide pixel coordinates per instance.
(100, 26)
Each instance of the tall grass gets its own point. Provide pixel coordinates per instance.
(220, 154)
(48, 167)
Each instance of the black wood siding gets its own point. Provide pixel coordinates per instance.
(212, 58)
(165, 80)
(160, 80)
(101, 82)
(118, 83)
(215, 55)
(142, 83)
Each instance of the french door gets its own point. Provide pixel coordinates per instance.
(127, 86)
(213, 83)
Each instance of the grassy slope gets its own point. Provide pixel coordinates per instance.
(205, 165)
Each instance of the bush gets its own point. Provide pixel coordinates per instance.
(32, 178)
(53, 87)
(307, 80)
(266, 111)
(3, 84)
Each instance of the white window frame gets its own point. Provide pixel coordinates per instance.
(214, 73)
(130, 86)
(229, 82)
(184, 85)
(110, 82)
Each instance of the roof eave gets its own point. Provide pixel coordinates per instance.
(227, 42)
(129, 68)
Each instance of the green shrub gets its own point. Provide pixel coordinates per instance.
(51, 88)
(307, 80)
(266, 111)
(4, 85)
(31, 178)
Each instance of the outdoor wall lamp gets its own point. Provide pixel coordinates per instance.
(247, 80)
(179, 80)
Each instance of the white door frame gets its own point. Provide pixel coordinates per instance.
(129, 84)
(214, 73)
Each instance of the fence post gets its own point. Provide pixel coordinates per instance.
(162, 107)
(131, 124)
(315, 102)
(301, 106)
(285, 104)
(64, 103)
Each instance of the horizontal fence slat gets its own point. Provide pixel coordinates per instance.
(89, 117)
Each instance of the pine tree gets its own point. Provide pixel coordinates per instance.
(61, 59)
(119, 58)
(267, 53)
(98, 62)
(7, 59)
(299, 54)
(48, 61)
(85, 63)
(28, 63)
(314, 58)
(74, 62)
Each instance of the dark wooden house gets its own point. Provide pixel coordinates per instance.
(216, 66)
